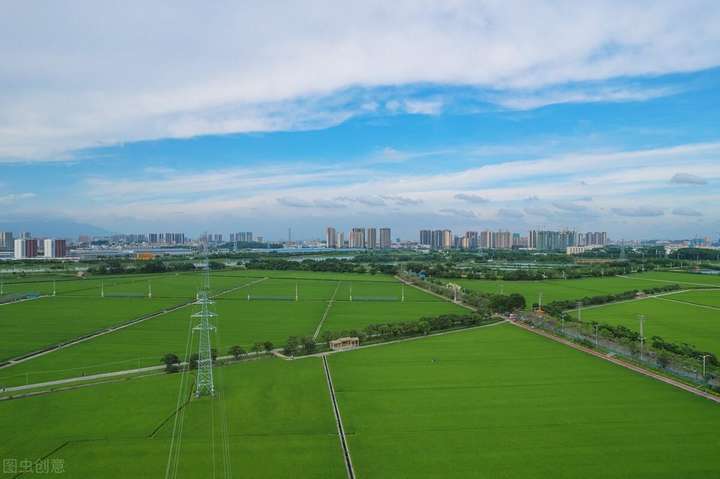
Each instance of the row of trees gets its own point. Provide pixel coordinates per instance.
(491, 302)
(172, 361)
(381, 332)
(557, 308)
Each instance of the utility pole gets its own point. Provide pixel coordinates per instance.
(540, 301)
(102, 288)
(642, 335)
(54, 288)
(296, 291)
(596, 326)
(402, 294)
(705, 356)
(149, 290)
(579, 310)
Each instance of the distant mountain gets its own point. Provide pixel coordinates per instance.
(61, 228)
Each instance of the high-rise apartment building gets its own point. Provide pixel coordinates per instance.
(502, 240)
(426, 237)
(485, 240)
(54, 248)
(447, 239)
(330, 237)
(470, 240)
(25, 248)
(7, 242)
(436, 242)
(551, 240)
(357, 238)
(340, 239)
(385, 238)
(371, 238)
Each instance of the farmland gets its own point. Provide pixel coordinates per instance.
(555, 290)
(481, 400)
(477, 400)
(271, 314)
(278, 414)
(691, 317)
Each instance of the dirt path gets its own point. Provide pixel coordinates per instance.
(338, 421)
(327, 311)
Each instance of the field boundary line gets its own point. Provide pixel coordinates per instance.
(327, 310)
(338, 421)
(619, 362)
(649, 296)
(410, 283)
(697, 305)
(72, 342)
(712, 286)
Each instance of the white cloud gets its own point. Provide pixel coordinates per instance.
(686, 212)
(534, 99)
(237, 67)
(509, 213)
(471, 198)
(302, 203)
(687, 179)
(638, 212)
(457, 212)
(15, 197)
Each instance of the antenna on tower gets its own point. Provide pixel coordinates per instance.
(204, 384)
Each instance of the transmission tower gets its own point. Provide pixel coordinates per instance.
(204, 385)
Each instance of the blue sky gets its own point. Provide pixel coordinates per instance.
(466, 115)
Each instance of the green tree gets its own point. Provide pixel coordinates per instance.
(171, 361)
(308, 344)
(258, 347)
(194, 358)
(237, 352)
(292, 346)
(268, 346)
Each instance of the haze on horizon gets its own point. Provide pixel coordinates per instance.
(467, 115)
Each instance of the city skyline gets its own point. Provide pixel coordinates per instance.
(606, 125)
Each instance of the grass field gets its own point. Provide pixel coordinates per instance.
(691, 317)
(31, 325)
(558, 289)
(500, 402)
(279, 419)
(239, 322)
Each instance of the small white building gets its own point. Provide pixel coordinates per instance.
(342, 344)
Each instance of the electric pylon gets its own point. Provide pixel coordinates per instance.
(204, 385)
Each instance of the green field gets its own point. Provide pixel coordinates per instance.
(558, 289)
(495, 402)
(691, 317)
(273, 316)
(278, 415)
(499, 402)
(31, 325)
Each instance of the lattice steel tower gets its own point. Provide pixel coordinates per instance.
(204, 384)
